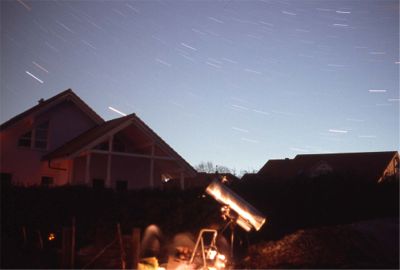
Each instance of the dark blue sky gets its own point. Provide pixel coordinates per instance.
(233, 82)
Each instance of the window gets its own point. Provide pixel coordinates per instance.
(37, 138)
(41, 135)
(118, 145)
(47, 181)
(98, 183)
(102, 146)
(25, 140)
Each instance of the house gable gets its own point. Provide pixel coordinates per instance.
(43, 105)
(49, 124)
(28, 136)
(119, 146)
(321, 168)
(138, 140)
(392, 169)
(369, 166)
(62, 140)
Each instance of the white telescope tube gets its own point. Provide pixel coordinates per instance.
(246, 212)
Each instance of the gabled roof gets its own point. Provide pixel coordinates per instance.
(46, 104)
(98, 134)
(163, 144)
(368, 165)
(279, 168)
(250, 177)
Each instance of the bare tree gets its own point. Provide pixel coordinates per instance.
(209, 167)
(243, 172)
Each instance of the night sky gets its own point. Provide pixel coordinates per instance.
(233, 82)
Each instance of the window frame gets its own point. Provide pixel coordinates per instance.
(33, 138)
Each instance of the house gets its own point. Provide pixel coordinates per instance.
(371, 166)
(63, 141)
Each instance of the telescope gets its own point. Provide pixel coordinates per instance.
(244, 214)
(238, 212)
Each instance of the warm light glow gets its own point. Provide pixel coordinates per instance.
(166, 178)
(51, 237)
(220, 265)
(211, 254)
(224, 179)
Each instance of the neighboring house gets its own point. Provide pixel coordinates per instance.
(371, 166)
(63, 141)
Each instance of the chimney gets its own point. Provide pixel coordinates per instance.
(40, 101)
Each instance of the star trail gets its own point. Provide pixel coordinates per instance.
(292, 76)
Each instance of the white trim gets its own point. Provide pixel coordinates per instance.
(110, 148)
(100, 139)
(87, 168)
(159, 141)
(133, 120)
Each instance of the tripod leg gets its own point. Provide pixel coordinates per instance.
(232, 227)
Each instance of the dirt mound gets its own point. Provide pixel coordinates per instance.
(370, 244)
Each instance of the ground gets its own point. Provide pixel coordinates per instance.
(368, 244)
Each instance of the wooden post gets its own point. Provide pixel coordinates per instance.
(135, 247)
(73, 232)
(40, 239)
(121, 247)
(24, 238)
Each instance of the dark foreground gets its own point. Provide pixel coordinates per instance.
(307, 223)
(367, 244)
